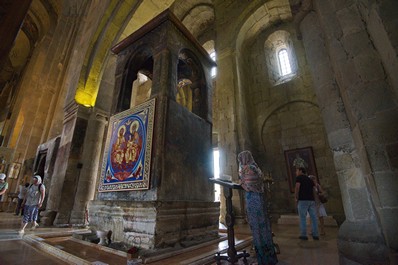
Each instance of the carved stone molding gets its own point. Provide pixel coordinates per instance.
(300, 9)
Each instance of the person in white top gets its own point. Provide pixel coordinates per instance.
(3, 184)
(319, 205)
(23, 189)
(32, 202)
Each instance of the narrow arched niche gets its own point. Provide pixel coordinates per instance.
(137, 80)
(191, 87)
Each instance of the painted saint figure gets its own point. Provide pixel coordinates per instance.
(134, 144)
(299, 162)
(119, 146)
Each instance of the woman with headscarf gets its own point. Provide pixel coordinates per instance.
(250, 179)
(32, 202)
(3, 185)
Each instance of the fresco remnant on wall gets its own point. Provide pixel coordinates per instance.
(127, 158)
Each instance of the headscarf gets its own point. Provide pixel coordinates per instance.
(249, 173)
(38, 178)
(312, 177)
(2, 176)
(245, 158)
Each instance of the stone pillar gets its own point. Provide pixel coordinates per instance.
(66, 170)
(51, 150)
(72, 165)
(227, 125)
(90, 165)
(381, 23)
(359, 126)
(76, 26)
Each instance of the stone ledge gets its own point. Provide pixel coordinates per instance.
(56, 252)
(294, 220)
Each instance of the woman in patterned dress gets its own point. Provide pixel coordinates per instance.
(250, 179)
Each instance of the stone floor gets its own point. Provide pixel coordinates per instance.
(56, 246)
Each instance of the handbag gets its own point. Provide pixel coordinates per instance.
(322, 198)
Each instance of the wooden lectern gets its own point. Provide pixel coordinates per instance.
(232, 255)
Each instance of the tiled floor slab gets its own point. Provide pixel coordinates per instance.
(15, 251)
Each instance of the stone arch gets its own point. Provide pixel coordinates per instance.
(281, 131)
(259, 18)
(117, 23)
(140, 61)
(278, 108)
(190, 68)
(196, 15)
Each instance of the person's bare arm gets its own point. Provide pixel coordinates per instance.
(42, 194)
(23, 201)
(296, 191)
(3, 191)
(320, 189)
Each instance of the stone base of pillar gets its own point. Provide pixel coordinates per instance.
(47, 217)
(78, 218)
(62, 220)
(155, 225)
(361, 243)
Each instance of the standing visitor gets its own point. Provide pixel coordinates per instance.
(23, 189)
(250, 179)
(305, 198)
(3, 185)
(32, 202)
(320, 208)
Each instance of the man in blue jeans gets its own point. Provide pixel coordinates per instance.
(304, 194)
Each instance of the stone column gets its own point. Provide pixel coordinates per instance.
(90, 166)
(381, 23)
(77, 25)
(66, 169)
(227, 125)
(350, 88)
(61, 164)
(72, 164)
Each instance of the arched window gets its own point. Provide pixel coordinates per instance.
(280, 57)
(214, 69)
(284, 63)
(209, 47)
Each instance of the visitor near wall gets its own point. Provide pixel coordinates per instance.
(305, 198)
(320, 208)
(3, 185)
(32, 202)
(23, 189)
(250, 180)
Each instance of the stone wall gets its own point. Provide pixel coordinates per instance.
(285, 116)
(156, 224)
(360, 113)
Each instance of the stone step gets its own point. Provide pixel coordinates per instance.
(290, 219)
(9, 235)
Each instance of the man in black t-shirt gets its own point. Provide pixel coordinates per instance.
(304, 195)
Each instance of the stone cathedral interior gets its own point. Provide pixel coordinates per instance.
(174, 81)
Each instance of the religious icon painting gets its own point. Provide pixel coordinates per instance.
(296, 158)
(15, 168)
(127, 157)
